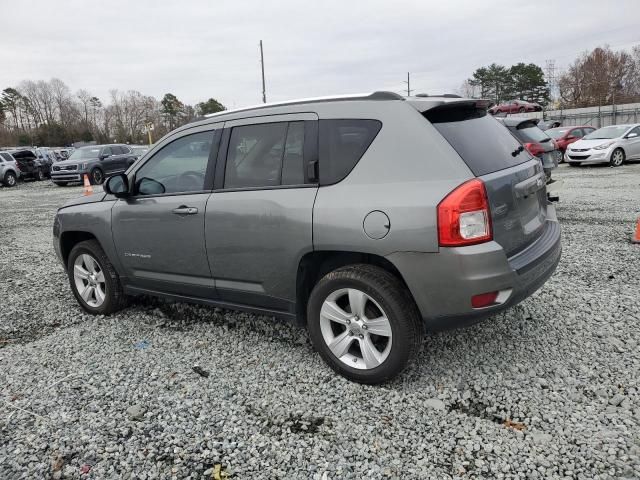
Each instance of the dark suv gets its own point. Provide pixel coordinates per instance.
(96, 161)
(366, 218)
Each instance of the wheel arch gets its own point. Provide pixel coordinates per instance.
(70, 239)
(314, 265)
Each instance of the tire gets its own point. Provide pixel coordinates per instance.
(96, 177)
(617, 158)
(385, 298)
(10, 179)
(574, 164)
(107, 283)
(61, 184)
(521, 110)
(39, 176)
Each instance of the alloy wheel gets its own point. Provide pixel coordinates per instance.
(617, 158)
(355, 329)
(11, 180)
(89, 280)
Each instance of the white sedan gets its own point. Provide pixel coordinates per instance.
(613, 145)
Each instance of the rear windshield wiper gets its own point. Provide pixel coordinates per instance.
(517, 151)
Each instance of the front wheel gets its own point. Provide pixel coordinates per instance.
(364, 323)
(97, 177)
(617, 158)
(10, 179)
(40, 175)
(93, 279)
(521, 110)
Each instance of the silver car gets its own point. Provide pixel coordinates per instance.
(613, 145)
(367, 219)
(9, 171)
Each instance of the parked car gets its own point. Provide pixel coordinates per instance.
(613, 145)
(33, 163)
(515, 106)
(139, 150)
(367, 218)
(9, 171)
(537, 142)
(96, 161)
(564, 136)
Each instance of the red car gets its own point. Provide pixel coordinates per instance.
(515, 106)
(567, 135)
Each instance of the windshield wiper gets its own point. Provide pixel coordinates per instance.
(517, 151)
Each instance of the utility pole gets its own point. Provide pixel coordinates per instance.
(408, 82)
(264, 91)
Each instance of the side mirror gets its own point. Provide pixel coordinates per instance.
(117, 185)
(632, 135)
(149, 186)
(131, 161)
(102, 157)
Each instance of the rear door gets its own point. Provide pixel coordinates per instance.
(259, 217)
(514, 179)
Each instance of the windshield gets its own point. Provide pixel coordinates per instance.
(85, 153)
(556, 132)
(607, 132)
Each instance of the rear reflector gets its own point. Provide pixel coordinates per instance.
(484, 299)
(464, 217)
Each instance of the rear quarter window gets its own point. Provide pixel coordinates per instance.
(484, 144)
(342, 143)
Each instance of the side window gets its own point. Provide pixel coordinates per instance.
(635, 130)
(342, 144)
(117, 150)
(254, 157)
(125, 150)
(578, 133)
(179, 167)
(107, 151)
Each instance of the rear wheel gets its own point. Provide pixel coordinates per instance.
(93, 279)
(521, 110)
(364, 323)
(10, 179)
(40, 174)
(97, 177)
(617, 158)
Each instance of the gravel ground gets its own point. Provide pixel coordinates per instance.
(546, 390)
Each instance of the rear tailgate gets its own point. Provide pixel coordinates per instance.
(514, 180)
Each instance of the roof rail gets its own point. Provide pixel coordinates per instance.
(443, 95)
(378, 95)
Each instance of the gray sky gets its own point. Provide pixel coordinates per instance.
(197, 48)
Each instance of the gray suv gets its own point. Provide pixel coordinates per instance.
(368, 219)
(95, 161)
(9, 171)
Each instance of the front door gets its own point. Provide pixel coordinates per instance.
(159, 230)
(259, 218)
(632, 145)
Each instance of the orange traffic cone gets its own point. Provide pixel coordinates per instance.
(636, 236)
(88, 189)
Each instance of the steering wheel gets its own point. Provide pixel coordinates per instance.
(191, 179)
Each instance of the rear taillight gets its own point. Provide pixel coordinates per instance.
(464, 217)
(534, 149)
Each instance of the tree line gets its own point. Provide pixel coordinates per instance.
(48, 113)
(600, 77)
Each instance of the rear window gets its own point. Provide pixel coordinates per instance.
(342, 144)
(530, 134)
(483, 142)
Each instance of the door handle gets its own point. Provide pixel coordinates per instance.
(184, 210)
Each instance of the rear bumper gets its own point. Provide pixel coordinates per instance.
(443, 283)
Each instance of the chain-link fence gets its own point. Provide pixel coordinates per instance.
(599, 116)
